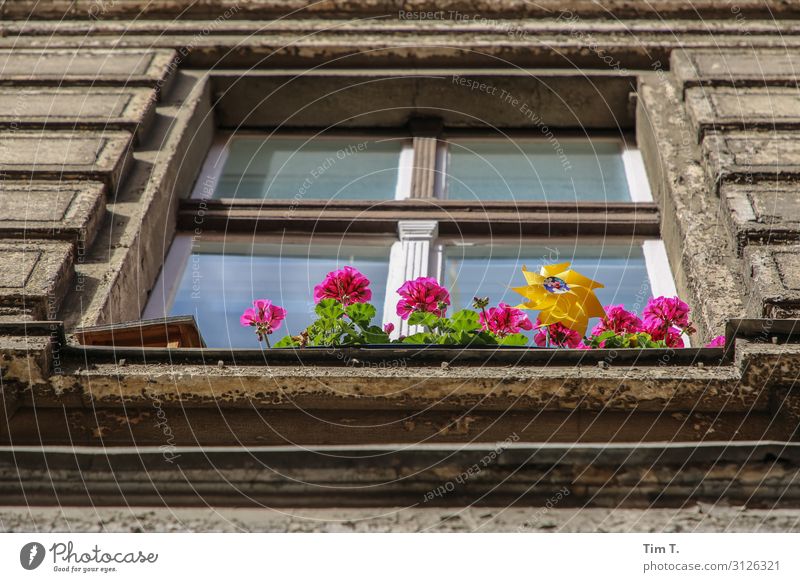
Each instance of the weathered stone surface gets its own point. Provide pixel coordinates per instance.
(129, 254)
(462, 98)
(766, 211)
(66, 210)
(523, 474)
(698, 518)
(789, 268)
(736, 67)
(749, 156)
(36, 277)
(65, 155)
(720, 108)
(97, 108)
(191, 9)
(773, 279)
(690, 227)
(94, 67)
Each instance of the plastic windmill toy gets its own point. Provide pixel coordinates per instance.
(562, 296)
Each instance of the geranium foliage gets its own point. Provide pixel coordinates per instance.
(564, 299)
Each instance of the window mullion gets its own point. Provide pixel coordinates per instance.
(166, 287)
(410, 257)
(635, 174)
(423, 182)
(205, 186)
(425, 132)
(405, 173)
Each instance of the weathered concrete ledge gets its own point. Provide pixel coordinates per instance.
(125, 396)
(697, 518)
(763, 474)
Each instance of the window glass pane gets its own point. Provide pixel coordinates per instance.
(566, 170)
(310, 168)
(490, 270)
(221, 280)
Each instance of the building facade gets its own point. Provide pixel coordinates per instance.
(116, 124)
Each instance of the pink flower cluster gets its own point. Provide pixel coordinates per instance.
(422, 294)
(264, 316)
(556, 335)
(665, 318)
(504, 320)
(347, 285)
(618, 320)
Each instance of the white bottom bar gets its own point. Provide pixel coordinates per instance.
(400, 557)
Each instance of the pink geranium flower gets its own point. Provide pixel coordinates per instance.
(618, 320)
(264, 316)
(346, 285)
(504, 320)
(560, 336)
(670, 311)
(658, 331)
(422, 294)
(717, 342)
(388, 328)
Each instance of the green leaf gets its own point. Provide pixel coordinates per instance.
(465, 320)
(463, 338)
(419, 338)
(329, 309)
(379, 337)
(515, 339)
(287, 342)
(430, 320)
(487, 338)
(361, 313)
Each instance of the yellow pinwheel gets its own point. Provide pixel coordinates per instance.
(562, 295)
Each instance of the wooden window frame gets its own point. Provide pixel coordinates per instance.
(418, 216)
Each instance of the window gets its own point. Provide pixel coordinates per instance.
(282, 167)
(628, 270)
(278, 211)
(567, 169)
(218, 275)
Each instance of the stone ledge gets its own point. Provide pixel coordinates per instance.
(62, 155)
(732, 67)
(764, 212)
(87, 66)
(59, 210)
(748, 157)
(36, 276)
(148, 9)
(698, 518)
(774, 278)
(756, 474)
(94, 108)
(115, 402)
(721, 108)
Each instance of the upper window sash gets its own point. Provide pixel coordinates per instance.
(411, 158)
(465, 159)
(345, 148)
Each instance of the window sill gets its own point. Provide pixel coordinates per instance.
(412, 355)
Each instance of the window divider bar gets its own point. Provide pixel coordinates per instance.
(659, 272)
(635, 174)
(410, 257)
(166, 287)
(206, 184)
(423, 181)
(405, 172)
